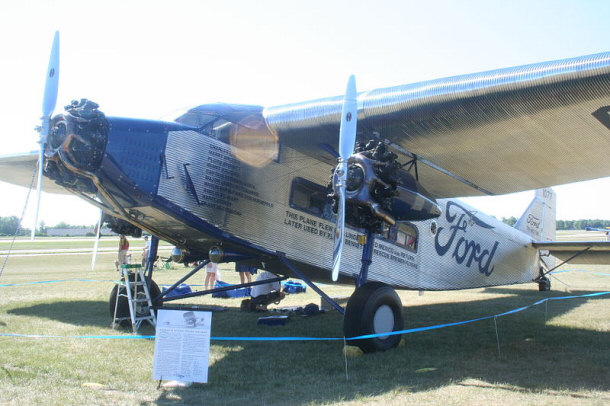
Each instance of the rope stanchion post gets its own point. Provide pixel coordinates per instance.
(345, 358)
(497, 335)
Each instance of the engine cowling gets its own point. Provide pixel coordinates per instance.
(77, 139)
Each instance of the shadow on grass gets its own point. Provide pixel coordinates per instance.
(76, 312)
(533, 356)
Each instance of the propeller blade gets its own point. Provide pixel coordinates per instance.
(347, 141)
(339, 234)
(52, 82)
(349, 119)
(49, 100)
(98, 233)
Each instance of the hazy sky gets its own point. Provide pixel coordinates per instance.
(149, 58)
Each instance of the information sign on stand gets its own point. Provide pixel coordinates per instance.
(182, 345)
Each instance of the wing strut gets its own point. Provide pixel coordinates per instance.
(579, 253)
(442, 170)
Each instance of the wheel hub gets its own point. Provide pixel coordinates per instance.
(383, 321)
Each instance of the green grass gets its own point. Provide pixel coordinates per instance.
(564, 360)
(63, 243)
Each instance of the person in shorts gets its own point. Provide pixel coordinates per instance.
(245, 272)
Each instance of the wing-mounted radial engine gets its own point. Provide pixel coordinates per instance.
(365, 185)
(376, 193)
(120, 226)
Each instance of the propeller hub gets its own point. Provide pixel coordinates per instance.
(58, 132)
(355, 178)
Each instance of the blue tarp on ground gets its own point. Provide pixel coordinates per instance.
(180, 290)
(240, 292)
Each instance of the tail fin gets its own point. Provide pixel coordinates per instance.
(538, 220)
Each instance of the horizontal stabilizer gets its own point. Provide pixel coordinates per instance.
(584, 252)
(18, 169)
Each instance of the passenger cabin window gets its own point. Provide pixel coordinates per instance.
(404, 235)
(311, 198)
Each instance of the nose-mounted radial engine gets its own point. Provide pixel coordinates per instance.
(76, 144)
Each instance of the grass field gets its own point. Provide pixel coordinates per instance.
(554, 353)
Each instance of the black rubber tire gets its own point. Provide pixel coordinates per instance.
(123, 305)
(544, 284)
(370, 299)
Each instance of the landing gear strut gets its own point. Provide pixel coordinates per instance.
(373, 308)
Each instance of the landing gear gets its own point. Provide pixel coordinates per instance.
(544, 284)
(374, 308)
(122, 311)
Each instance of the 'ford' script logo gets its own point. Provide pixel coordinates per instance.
(533, 221)
(464, 251)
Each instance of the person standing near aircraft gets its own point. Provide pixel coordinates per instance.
(123, 248)
(145, 250)
(245, 272)
(211, 275)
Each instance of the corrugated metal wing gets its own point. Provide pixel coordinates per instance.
(504, 131)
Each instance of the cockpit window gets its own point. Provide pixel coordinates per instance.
(241, 126)
(404, 235)
(311, 198)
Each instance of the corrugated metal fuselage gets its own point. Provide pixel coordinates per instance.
(189, 189)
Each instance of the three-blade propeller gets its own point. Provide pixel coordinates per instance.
(48, 106)
(347, 141)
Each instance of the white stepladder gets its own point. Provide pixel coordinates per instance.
(138, 297)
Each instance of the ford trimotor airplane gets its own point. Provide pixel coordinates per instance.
(355, 188)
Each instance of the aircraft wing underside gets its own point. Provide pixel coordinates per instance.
(19, 169)
(582, 252)
(495, 132)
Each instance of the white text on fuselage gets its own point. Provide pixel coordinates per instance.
(453, 240)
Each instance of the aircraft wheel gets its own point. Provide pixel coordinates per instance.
(544, 284)
(123, 304)
(373, 308)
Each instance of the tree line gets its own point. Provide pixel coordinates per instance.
(581, 224)
(11, 225)
(568, 224)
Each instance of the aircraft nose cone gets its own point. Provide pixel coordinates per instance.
(58, 132)
(355, 178)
